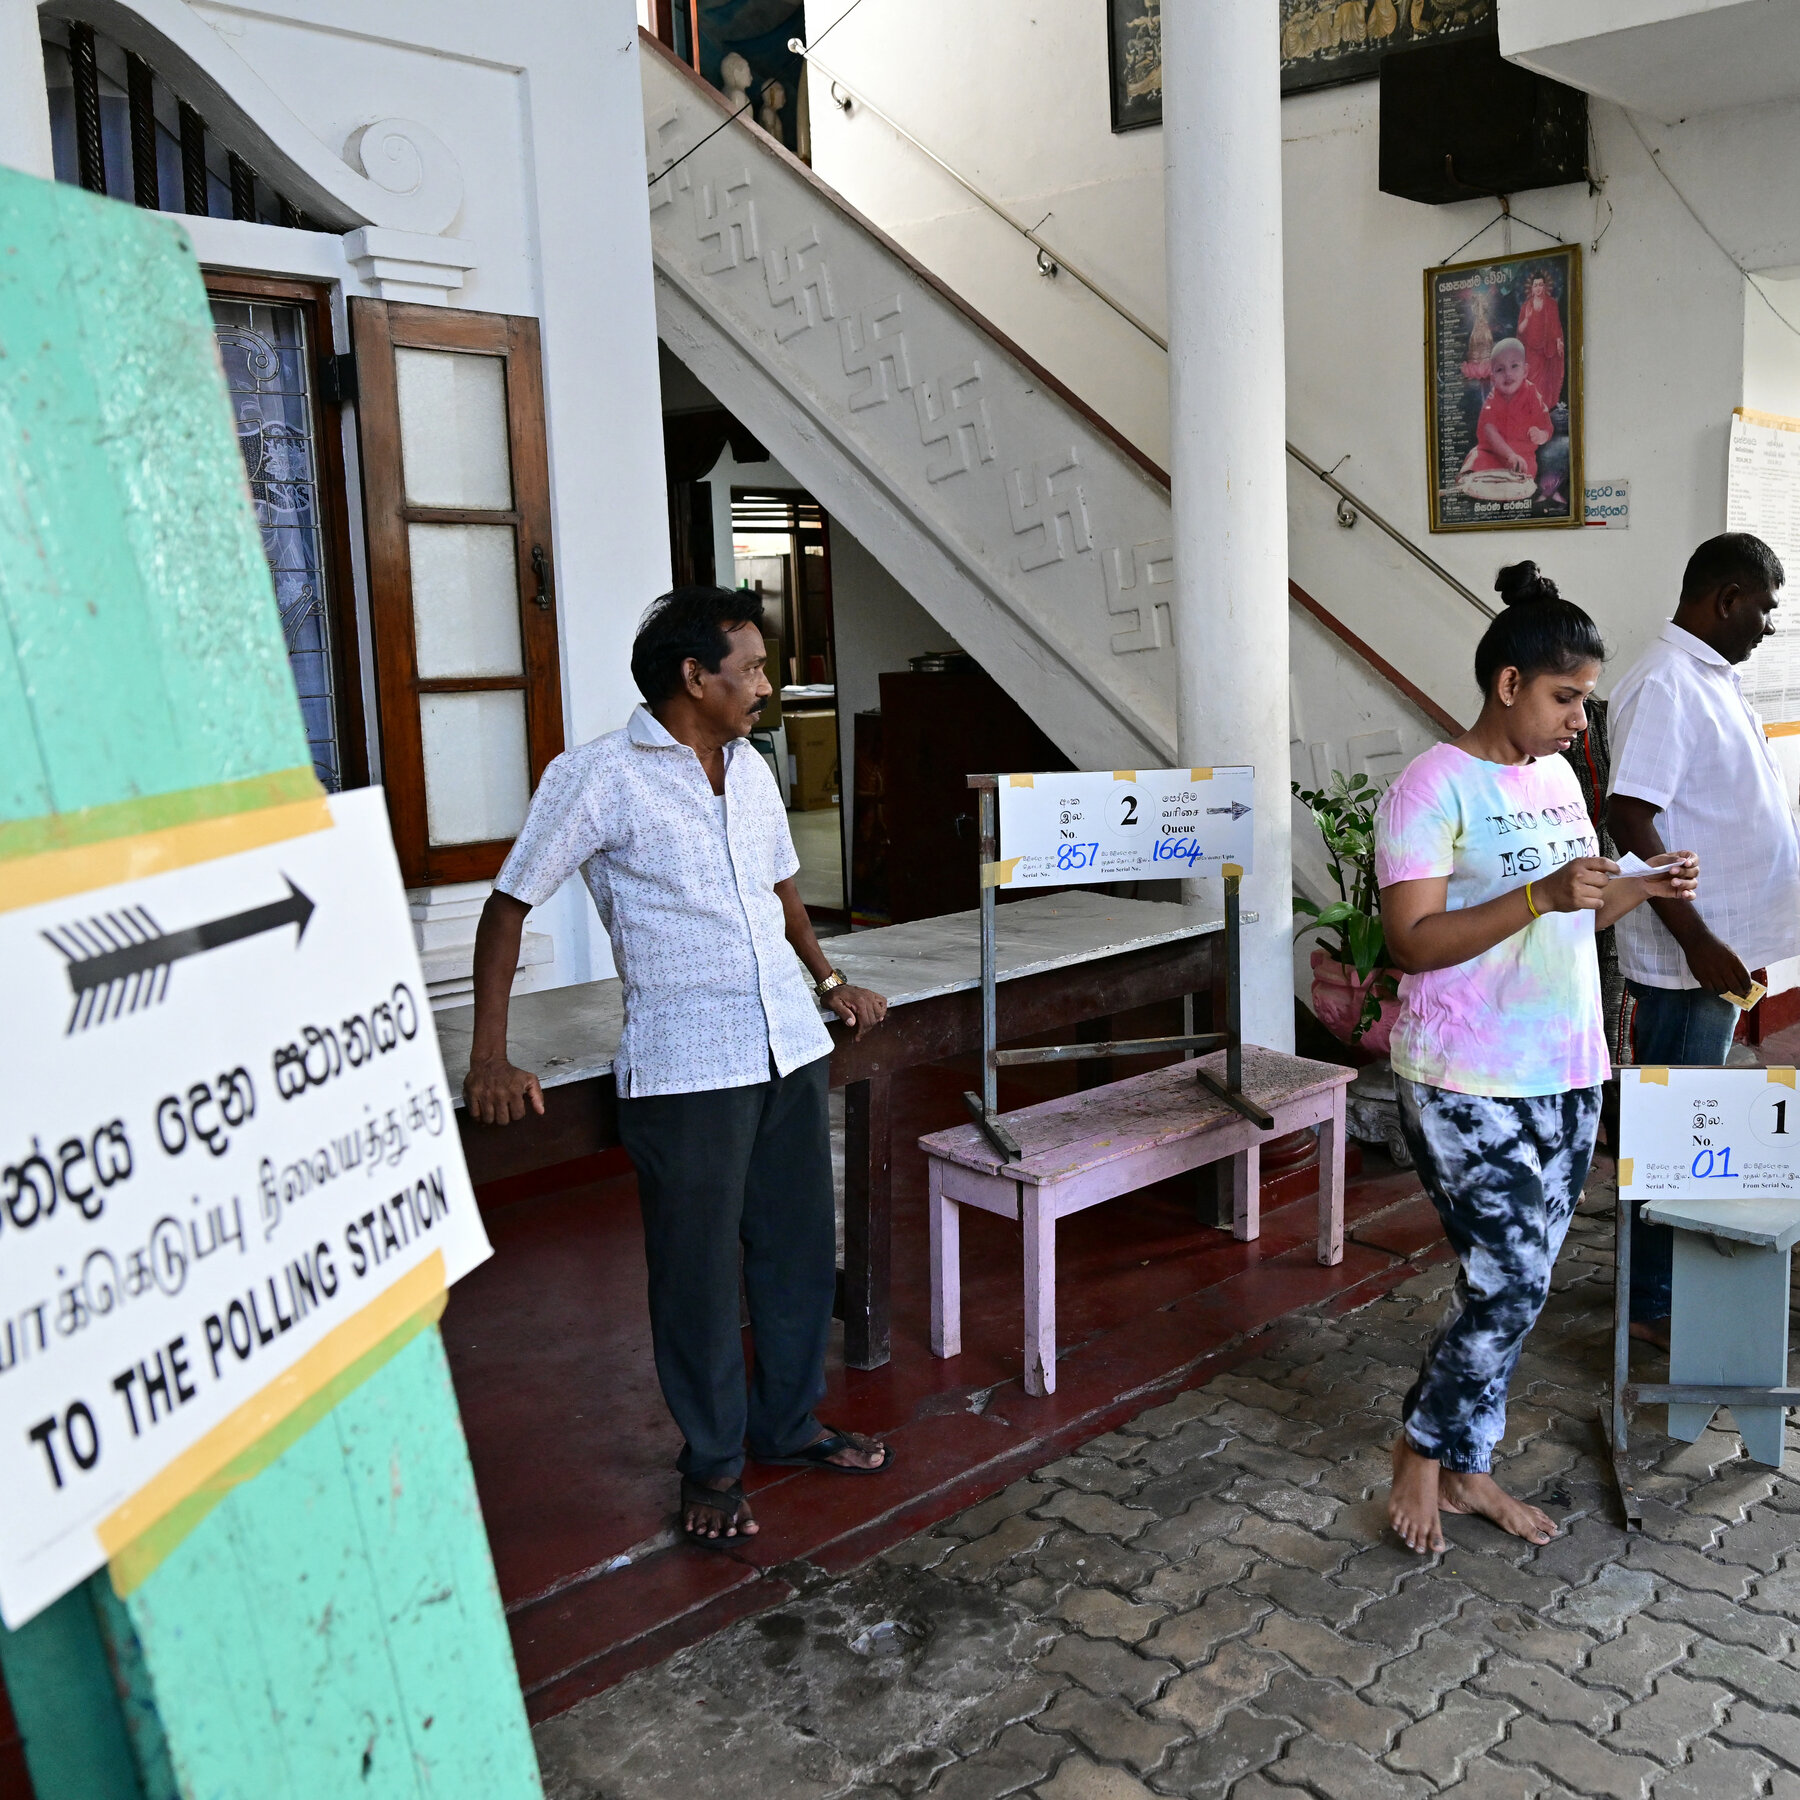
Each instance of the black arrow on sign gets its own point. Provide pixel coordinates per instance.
(120, 962)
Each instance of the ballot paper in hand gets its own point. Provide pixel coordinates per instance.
(1630, 864)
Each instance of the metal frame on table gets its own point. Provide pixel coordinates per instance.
(1615, 1421)
(984, 1107)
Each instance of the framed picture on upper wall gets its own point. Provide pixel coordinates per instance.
(1134, 53)
(1503, 391)
(1324, 42)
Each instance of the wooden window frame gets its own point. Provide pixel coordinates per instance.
(377, 329)
(332, 492)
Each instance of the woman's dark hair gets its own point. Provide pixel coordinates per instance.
(1539, 632)
(688, 621)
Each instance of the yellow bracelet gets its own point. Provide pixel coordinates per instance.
(1530, 903)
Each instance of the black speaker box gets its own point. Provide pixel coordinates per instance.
(1459, 121)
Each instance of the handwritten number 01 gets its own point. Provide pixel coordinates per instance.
(1723, 1171)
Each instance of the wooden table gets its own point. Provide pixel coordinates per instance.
(1065, 960)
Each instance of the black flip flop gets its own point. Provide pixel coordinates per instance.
(728, 1501)
(818, 1456)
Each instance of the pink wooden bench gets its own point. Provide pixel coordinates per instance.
(1107, 1141)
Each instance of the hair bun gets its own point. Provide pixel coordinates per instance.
(1520, 584)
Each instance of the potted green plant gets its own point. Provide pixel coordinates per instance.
(1355, 991)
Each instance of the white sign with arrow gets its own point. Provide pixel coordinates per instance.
(229, 1167)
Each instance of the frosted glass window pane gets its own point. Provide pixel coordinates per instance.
(465, 591)
(477, 781)
(453, 442)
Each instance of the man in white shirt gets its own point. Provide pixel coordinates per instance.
(677, 827)
(1691, 767)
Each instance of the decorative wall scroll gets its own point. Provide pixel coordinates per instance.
(1324, 42)
(1057, 514)
(1130, 575)
(952, 413)
(1503, 391)
(1134, 53)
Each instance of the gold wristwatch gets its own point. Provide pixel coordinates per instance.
(834, 978)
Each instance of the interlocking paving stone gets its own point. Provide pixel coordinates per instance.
(1103, 1666)
(1101, 1613)
(1420, 1679)
(1112, 1728)
(1776, 1733)
(1441, 1744)
(1206, 1767)
(1306, 1595)
(1664, 1725)
(1550, 1695)
(1022, 1756)
(1715, 1773)
(1329, 1710)
(1098, 1513)
(1202, 1696)
(1081, 1778)
(1633, 1660)
(1403, 1618)
(1206, 1603)
(1192, 1636)
(1758, 1677)
(1572, 1756)
(1079, 1556)
(1340, 1772)
(1291, 1543)
(1729, 1624)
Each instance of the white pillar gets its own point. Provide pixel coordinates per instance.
(24, 106)
(1227, 408)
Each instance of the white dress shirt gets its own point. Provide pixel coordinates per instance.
(1684, 739)
(684, 882)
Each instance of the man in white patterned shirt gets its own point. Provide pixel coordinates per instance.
(677, 827)
(1691, 767)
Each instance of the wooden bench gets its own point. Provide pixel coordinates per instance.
(1107, 1141)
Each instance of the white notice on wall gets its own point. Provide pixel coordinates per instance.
(227, 1158)
(1709, 1134)
(1762, 496)
(1123, 825)
(1608, 506)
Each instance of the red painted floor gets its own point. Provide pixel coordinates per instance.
(574, 1454)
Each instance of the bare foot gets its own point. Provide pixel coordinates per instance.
(1651, 1331)
(1413, 1501)
(1483, 1495)
(729, 1518)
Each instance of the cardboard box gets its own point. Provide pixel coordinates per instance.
(813, 748)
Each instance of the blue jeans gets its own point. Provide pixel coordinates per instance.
(1672, 1027)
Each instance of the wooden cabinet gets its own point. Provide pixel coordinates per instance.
(937, 730)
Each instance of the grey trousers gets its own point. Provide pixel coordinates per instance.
(724, 1170)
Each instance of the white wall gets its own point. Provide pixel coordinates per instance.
(541, 108)
(1016, 98)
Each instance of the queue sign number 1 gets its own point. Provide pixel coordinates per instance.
(1709, 1133)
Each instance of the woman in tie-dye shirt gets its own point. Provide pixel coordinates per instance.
(1491, 891)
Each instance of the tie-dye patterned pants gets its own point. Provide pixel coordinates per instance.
(1504, 1175)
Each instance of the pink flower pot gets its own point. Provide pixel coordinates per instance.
(1337, 1002)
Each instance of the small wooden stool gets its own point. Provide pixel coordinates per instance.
(1107, 1141)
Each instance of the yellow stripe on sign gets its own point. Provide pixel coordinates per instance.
(52, 874)
(1781, 1077)
(1199, 774)
(1786, 728)
(1653, 1077)
(1232, 871)
(1627, 1166)
(1124, 774)
(264, 1411)
(998, 874)
(1021, 781)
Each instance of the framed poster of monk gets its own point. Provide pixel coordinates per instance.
(1503, 391)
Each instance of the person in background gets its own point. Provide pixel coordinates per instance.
(677, 827)
(1491, 891)
(1691, 765)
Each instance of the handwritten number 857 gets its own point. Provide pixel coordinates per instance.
(1076, 856)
